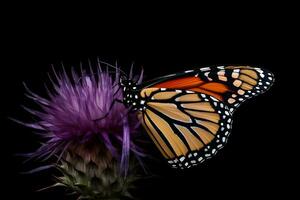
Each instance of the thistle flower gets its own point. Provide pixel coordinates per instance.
(92, 150)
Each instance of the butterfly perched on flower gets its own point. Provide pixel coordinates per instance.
(188, 115)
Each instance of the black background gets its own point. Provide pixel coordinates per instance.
(258, 160)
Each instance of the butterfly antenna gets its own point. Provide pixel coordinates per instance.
(94, 73)
(109, 65)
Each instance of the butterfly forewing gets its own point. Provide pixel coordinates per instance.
(231, 85)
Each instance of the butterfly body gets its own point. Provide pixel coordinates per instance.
(131, 95)
(189, 115)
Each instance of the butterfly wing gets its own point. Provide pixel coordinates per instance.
(186, 126)
(188, 115)
(229, 84)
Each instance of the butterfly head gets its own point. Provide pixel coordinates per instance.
(130, 92)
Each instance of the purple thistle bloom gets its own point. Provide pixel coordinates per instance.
(69, 116)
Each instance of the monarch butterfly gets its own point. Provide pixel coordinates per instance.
(189, 115)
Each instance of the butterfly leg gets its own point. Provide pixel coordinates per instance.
(110, 107)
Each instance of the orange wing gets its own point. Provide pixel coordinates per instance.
(196, 84)
(231, 84)
(187, 127)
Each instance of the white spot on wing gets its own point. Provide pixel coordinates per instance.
(213, 98)
(259, 70)
(205, 69)
(223, 139)
(200, 159)
(228, 126)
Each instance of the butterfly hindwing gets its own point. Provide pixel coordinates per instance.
(186, 126)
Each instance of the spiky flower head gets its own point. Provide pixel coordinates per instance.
(88, 133)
